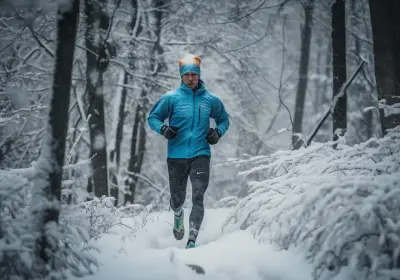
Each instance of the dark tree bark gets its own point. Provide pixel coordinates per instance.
(121, 118)
(46, 193)
(303, 73)
(339, 65)
(138, 143)
(97, 63)
(115, 156)
(386, 43)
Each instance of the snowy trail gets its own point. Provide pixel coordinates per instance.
(151, 252)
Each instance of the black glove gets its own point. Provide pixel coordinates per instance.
(213, 136)
(169, 132)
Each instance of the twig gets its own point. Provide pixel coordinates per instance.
(83, 162)
(77, 140)
(244, 16)
(145, 180)
(40, 42)
(28, 24)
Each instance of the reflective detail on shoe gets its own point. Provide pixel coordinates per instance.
(190, 245)
(193, 232)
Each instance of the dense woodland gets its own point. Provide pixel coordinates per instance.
(78, 78)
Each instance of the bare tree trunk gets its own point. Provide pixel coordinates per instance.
(322, 99)
(130, 182)
(386, 42)
(339, 66)
(97, 63)
(303, 73)
(138, 143)
(360, 123)
(46, 193)
(318, 86)
(115, 155)
(326, 99)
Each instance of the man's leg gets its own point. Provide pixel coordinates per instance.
(178, 171)
(199, 176)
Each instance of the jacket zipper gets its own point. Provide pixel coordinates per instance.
(191, 128)
(198, 121)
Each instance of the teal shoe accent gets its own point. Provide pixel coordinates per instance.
(190, 245)
(179, 228)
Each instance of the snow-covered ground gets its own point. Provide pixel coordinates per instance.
(151, 252)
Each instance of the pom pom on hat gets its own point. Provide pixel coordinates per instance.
(190, 63)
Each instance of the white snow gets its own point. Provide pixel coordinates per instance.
(282, 130)
(94, 76)
(370, 108)
(151, 252)
(99, 141)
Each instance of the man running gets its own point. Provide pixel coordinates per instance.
(188, 110)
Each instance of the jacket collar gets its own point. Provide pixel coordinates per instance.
(201, 89)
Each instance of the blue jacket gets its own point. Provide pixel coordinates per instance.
(190, 112)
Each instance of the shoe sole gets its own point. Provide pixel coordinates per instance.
(179, 234)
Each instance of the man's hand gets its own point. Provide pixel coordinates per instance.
(213, 136)
(169, 132)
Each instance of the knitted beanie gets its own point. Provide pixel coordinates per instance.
(190, 63)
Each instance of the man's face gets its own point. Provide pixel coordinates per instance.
(190, 79)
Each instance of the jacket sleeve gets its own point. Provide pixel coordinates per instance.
(220, 115)
(159, 113)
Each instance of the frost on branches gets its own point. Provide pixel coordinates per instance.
(341, 207)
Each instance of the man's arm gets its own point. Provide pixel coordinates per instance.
(221, 116)
(159, 113)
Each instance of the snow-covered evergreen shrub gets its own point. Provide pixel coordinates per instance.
(78, 224)
(342, 206)
(15, 240)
